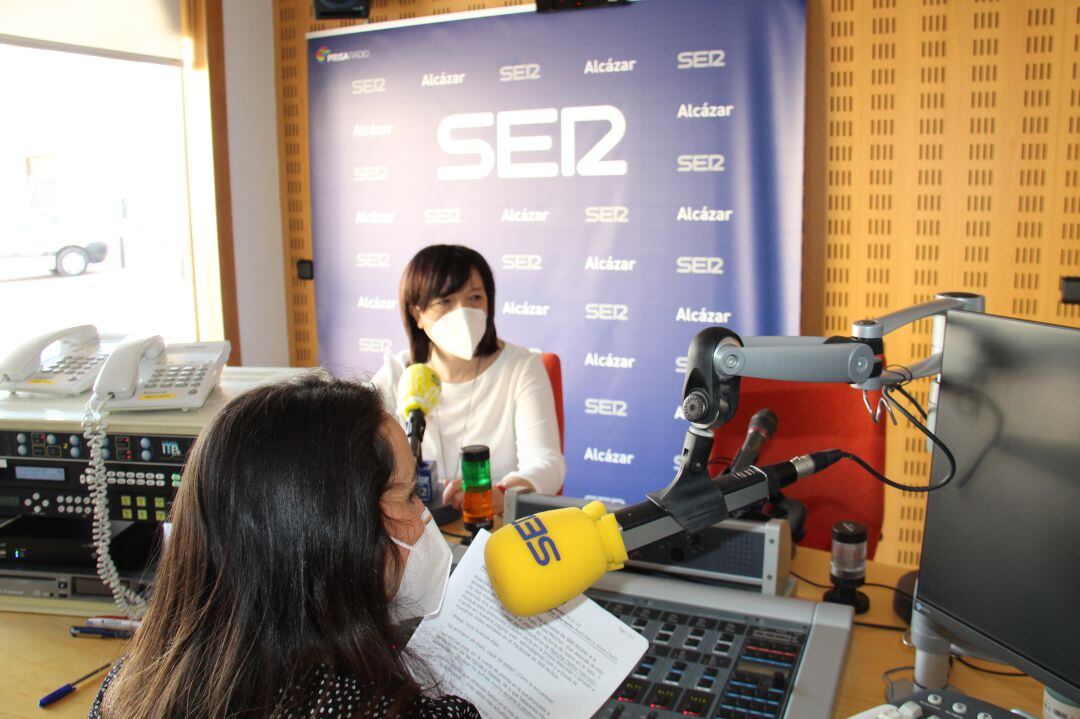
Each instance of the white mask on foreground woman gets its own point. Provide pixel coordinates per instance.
(423, 583)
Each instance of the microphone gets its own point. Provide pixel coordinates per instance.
(418, 391)
(548, 558)
(761, 428)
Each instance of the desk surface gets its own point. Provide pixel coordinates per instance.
(37, 656)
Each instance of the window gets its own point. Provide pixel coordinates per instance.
(94, 211)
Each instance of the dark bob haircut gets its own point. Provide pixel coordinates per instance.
(438, 271)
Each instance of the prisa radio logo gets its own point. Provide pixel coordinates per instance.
(323, 54)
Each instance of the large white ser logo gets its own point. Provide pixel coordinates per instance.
(501, 157)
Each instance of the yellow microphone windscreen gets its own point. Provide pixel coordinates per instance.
(419, 388)
(546, 559)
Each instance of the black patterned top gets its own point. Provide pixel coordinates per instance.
(335, 695)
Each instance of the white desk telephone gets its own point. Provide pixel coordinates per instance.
(144, 373)
(69, 370)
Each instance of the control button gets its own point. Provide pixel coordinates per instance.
(61, 509)
(76, 452)
(910, 710)
(105, 453)
(125, 500)
(159, 475)
(37, 510)
(74, 440)
(35, 496)
(934, 699)
(140, 501)
(140, 475)
(140, 482)
(141, 514)
(144, 443)
(44, 503)
(983, 715)
(21, 438)
(159, 502)
(50, 439)
(959, 708)
(27, 502)
(126, 513)
(23, 451)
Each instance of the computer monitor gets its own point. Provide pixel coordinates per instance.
(1000, 564)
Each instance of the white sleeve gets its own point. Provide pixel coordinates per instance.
(386, 380)
(540, 461)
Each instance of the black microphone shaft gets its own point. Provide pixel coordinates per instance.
(761, 428)
(646, 522)
(415, 424)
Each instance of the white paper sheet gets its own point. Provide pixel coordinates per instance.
(561, 664)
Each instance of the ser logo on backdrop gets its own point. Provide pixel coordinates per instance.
(700, 163)
(607, 213)
(699, 265)
(700, 59)
(606, 407)
(377, 345)
(373, 260)
(517, 73)
(371, 173)
(442, 216)
(368, 85)
(500, 156)
(606, 311)
(522, 262)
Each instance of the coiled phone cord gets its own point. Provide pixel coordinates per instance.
(95, 428)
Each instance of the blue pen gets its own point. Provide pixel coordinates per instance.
(69, 688)
(103, 632)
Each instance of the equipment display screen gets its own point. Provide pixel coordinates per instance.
(40, 474)
(999, 552)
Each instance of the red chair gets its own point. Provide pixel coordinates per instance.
(554, 371)
(812, 417)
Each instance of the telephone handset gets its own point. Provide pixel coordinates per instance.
(69, 371)
(144, 373)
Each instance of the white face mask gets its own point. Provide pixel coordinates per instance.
(423, 583)
(459, 331)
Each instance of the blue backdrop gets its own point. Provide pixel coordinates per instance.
(632, 174)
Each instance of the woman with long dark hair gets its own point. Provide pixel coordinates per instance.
(493, 392)
(297, 543)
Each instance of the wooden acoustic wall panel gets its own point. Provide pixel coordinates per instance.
(292, 20)
(951, 161)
